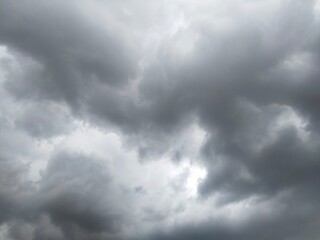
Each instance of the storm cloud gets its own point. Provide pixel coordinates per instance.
(159, 119)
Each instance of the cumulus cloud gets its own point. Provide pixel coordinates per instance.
(159, 119)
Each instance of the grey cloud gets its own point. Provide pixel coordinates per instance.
(239, 75)
(276, 227)
(76, 194)
(76, 199)
(14, 192)
(71, 51)
(286, 163)
(44, 120)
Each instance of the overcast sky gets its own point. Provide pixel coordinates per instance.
(159, 120)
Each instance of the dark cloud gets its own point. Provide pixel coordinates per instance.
(75, 200)
(15, 193)
(292, 226)
(246, 74)
(288, 162)
(70, 51)
(75, 192)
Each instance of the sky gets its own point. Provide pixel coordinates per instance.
(159, 120)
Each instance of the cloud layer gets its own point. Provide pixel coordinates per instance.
(159, 119)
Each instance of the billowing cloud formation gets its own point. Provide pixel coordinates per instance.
(159, 119)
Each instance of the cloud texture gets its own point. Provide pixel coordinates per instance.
(159, 119)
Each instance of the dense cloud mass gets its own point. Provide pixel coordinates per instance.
(159, 120)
